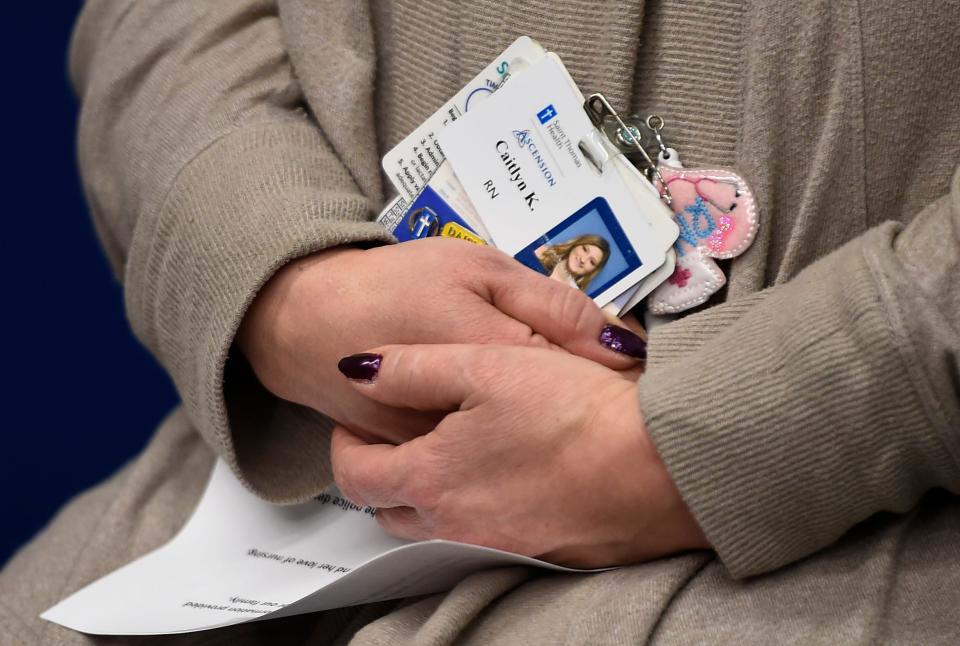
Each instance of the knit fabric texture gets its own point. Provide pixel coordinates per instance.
(807, 401)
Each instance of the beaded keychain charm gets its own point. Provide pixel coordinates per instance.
(717, 215)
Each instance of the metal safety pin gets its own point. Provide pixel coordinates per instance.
(597, 107)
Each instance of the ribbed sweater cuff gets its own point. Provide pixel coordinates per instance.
(797, 420)
(248, 204)
(685, 336)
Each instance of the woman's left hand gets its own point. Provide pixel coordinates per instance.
(542, 453)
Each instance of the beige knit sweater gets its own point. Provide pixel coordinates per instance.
(220, 140)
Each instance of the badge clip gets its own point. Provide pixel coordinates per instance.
(600, 111)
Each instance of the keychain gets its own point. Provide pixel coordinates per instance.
(717, 215)
(714, 209)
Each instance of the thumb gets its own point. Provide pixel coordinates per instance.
(422, 377)
(566, 317)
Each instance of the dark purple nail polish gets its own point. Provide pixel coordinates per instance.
(620, 339)
(360, 367)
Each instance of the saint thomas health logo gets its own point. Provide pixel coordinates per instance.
(546, 114)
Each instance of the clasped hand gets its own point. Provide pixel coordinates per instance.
(519, 429)
(540, 453)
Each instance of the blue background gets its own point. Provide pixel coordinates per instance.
(80, 395)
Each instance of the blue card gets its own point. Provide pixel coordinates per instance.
(430, 215)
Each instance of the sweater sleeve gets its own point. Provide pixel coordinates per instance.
(790, 417)
(205, 175)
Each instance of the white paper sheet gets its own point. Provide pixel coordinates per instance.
(241, 559)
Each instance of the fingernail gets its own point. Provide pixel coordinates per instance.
(620, 339)
(360, 367)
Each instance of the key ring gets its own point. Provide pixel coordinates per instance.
(655, 123)
(629, 136)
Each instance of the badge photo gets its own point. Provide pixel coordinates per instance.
(588, 250)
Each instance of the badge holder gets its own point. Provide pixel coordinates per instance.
(710, 213)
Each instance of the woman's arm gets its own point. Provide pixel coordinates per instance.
(787, 418)
(204, 175)
(783, 420)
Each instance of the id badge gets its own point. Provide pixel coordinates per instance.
(410, 164)
(521, 160)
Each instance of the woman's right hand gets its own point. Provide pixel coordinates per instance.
(338, 302)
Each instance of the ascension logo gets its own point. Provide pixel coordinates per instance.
(526, 141)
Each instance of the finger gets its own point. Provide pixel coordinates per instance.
(431, 377)
(612, 313)
(368, 474)
(376, 423)
(403, 522)
(632, 323)
(564, 316)
(634, 373)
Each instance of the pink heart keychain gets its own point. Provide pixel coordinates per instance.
(714, 209)
(717, 215)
